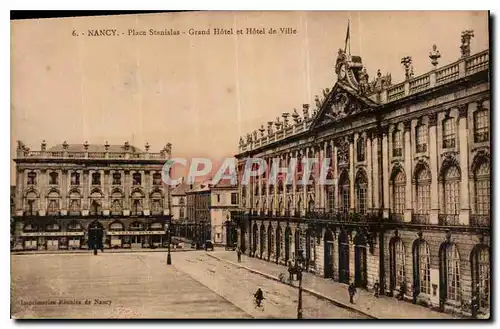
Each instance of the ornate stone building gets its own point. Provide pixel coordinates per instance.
(198, 211)
(409, 205)
(62, 191)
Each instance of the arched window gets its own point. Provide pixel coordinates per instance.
(344, 193)
(481, 276)
(53, 206)
(74, 205)
(451, 191)
(482, 189)
(53, 178)
(330, 197)
(423, 189)
(32, 178)
(361, 192)
(398, 255)
(449, 133)
(451, 263)
(421, 138)
(136, 207)
(481, 126)
(95, 208)
(398, 192)
(116, 226)
(397, 143)
(116, 206)
(360, 149)
(181, 213)
(424, 262)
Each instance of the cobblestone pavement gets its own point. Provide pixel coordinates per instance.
(141, 285)
(238, 286)
(382, 307)
(137, 285)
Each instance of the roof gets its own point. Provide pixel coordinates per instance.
(94, 148)
(180, 189)
(224, 183)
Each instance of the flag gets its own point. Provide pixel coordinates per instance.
(347, 37)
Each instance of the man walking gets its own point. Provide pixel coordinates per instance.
(238, 252)
(376, 288)
(352, 292)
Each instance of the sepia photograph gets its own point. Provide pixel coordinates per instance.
(251, 165)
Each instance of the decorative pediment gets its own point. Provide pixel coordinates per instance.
(341, 103)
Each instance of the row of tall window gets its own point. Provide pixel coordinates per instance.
(449, 266)
(95, 179)
(96, 206)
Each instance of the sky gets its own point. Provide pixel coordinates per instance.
(202, 92)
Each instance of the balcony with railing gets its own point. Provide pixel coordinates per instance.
(448, 219)
(479, 220)
(27, 154)
(420, 219)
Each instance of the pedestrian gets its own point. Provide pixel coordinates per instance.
(238, 252)
(352, 292)
(376, 288)
(290, 271)
(402, 290)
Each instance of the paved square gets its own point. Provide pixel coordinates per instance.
(136, 285)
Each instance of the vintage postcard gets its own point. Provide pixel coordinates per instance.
(286, 165)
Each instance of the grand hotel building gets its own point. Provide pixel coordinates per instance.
(410, 203)
(63, 191)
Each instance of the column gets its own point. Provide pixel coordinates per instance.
(43, 181)
(317, 190)
(106, 204)
(320, 188)
(85, 188)
(305, 178)
(434, 168)
(21, 177)
(463, 134)
(64, 192)
(375, 167)
(407, 167)
(126, 192)
(351, 173)
(369, 170)
(335, 174)
(294, 184)
(385, 172)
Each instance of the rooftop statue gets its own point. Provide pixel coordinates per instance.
(363, 86)
(296, 116)
(467, 35)
(317, 101)
(434, 55)
(262, 129)
(242, 142)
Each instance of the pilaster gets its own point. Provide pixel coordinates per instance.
(408, 171)
(433, 168)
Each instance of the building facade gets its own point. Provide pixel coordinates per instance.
(408, 205)
(63, 191)
(180, 223)
(198, 212)
(224, 200)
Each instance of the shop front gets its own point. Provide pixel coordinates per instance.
(134, 238)
(51, 240)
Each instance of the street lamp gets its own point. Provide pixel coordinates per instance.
(169, 258)
(297, 269)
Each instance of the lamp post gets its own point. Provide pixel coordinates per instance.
(298, 268)
(169, 258)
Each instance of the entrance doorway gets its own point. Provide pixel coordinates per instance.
(328, 241)
(343, 258)
(360, 277)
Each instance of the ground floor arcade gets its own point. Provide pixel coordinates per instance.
(447, 268)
